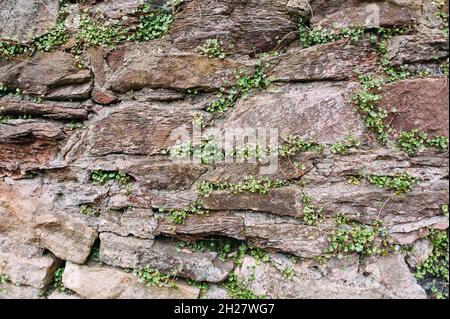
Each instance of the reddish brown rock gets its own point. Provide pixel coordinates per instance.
(23, 20)
(156, 65)
(138, 129)
(321, 112)
(246, 27)
(333, 61)
(57, 111)
(28, 145)
(46, 72)
(200, 226)
(386, 13)
(407, 49)
(282, 201)
(419, 103)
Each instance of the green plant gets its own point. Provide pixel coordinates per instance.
(152, 277)
(237, 289)
(57, 283)
(311, 214)
(366, 99)
(178, 216)
(153, 23)
(250, 184)
(340, 219)
(55, 37)
(414, 141)
(88, 210)
(4, 278)
(444, 209)
(74, 126)
(293, 145)
(212, 49)
(436, 266)
(318, 35)
(203, 286)
(101, 177)
(344, 147)
(401, 183)
(9, 48)
(244, 83)
(288, 272)
(358, 239)
(93, 33)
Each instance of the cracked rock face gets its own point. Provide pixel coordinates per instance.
(90, 196)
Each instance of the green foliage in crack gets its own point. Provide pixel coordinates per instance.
(55, 37)
(89, 210)
(381, 36)
(153, 23)
(414, 141)
(101, 177)
(311, 214)
(401, 183)
(237, 289)
(243, 85)
(4, 278)
(436, 266)
(207, 151)
(152, 277)
(444, 18)
(57, 283)
(212, 49)
(319, 35)
(366, 99)
(93, 33)
(293, 145)
(250, 184)
(345, 146)
(178, 216)
(356, 238)
(10, 48)
(227, 249)
(444, 209)
(203, 286)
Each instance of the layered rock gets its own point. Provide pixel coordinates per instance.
(115, 284)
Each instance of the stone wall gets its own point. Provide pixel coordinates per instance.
(94, 204)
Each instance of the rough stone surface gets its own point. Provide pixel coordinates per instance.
(79, 109)
(23, 20)
(419, 103)
(246, 27)
(115, 284)
(129, 252)
(24, 270)
(27, 220)
(316, 111)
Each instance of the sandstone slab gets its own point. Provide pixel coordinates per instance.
(245, 27)
(332, 61)
(112, 283)
(129, 252)
(317, 111)
(419, 103)
(30, 222)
